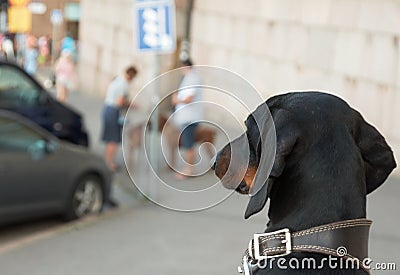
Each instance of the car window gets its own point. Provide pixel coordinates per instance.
(15, 136)
(16, 89)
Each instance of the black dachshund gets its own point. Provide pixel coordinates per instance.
(327, 159)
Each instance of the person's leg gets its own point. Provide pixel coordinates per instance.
(188, 144)
(110, 152)
(61, 92)
(190, 157)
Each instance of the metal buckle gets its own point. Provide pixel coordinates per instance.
(287, 241)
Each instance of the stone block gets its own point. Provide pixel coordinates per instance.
(87, 78)
(204, 5)
(236, 62)
(365, 98)
(297, 43)
(268, 9)
(265, 81)
(345, 13)
(289, 10)
(212, 31)
(224, 31)
(321, 48)
(240, 38)
(397, 40)
(379, 59)
(107, 61)
(250, 67)
(88, 53)
(395, 145)
(278, 41)
(123, 41)
(263, 76)
(395, 130)
(257, 37)
(219, 57)
(308, 78)
(223, 7)
(380, 16)
(286, 77)
(387, 107)
(349, 53)
(247, 9)
(316, 12)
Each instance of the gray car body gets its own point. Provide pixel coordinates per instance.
(40, 182)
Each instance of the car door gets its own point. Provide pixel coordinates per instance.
(21, 94)
(29, 175)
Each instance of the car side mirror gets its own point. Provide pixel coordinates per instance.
(51, 146)
(40, 148)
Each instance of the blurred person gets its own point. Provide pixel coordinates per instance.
(68, 43)
(44, 51)
(64, 71)
(7, 46)
(30, 55)
(116, 99)
(20, 46)
(187, 115)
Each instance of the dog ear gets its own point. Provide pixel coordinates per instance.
(378, 157)
(266, 143)
(286, 136)
(257, 202)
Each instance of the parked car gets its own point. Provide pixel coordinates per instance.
(42, 175)
(21, 93)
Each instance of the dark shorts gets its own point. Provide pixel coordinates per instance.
(112, 130)
(187, 136)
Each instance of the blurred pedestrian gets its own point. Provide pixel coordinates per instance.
(188, 113)
(7, 45)
(116, 99)
(44, 51)
(68, 43)
(30, 55)
(64, 71)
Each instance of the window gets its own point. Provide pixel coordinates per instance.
(15, 136)
(16, 89)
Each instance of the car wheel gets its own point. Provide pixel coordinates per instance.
(86, 198)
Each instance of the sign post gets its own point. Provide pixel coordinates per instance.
(155, 25)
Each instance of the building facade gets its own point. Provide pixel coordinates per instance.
(347, 47)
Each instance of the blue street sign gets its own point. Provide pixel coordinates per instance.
(155, 25)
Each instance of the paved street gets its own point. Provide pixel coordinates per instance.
(142, 238)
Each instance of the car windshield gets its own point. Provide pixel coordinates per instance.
(16, 88)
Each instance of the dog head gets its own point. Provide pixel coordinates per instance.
(245, 164)
(261, 157)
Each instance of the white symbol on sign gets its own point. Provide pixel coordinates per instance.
(154, 28)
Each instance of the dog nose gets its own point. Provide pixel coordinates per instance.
(213, 162)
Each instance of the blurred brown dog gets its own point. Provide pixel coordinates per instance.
(171, 134)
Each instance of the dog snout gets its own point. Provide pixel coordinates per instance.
(243, 188)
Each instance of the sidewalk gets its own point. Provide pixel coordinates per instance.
(144, 238)
(382, 209)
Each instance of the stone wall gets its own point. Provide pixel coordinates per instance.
(107, 45)
(348, 47)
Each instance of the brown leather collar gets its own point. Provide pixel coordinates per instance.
(348, 239)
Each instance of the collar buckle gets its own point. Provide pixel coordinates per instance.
(287, 241)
